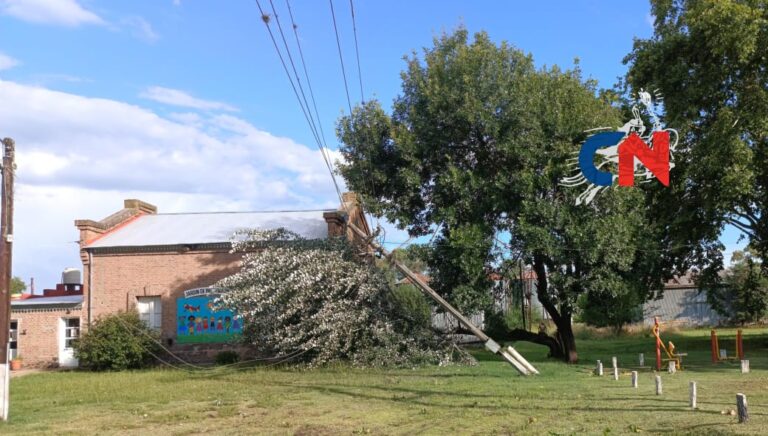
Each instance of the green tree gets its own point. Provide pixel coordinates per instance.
(708, 60)
(17, 285)
(476, 144)
(743, 295)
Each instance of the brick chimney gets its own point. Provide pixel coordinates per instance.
(132, 208)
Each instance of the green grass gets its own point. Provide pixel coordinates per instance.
(487, 399)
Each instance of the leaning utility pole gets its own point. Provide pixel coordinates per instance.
(509, 353)
(6, 241)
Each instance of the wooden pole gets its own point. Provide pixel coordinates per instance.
(658, 385)
(741, 408)
(739, 345)
(693, 395)
(515, 359)
(715, 347)
(6, 261)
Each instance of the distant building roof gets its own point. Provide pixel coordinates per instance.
(208, 228)
(30, 301)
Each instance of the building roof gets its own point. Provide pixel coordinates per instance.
(208, 228)
(34, 301)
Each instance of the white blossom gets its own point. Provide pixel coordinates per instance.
(318, 296)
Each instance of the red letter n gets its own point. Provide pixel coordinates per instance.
(656, 159)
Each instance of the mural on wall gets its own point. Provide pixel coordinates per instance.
(197, 321)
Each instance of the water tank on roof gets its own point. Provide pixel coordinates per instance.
(71, 276)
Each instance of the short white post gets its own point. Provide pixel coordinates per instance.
(641, 359)
(614, 362)
(672, 366)
(615, 373)
(634, 379)
(658, 385)
(599, 369)
(723, 353)
(744, 366)
(741, 408)
(693, 395)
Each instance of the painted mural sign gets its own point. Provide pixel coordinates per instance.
(198, 322)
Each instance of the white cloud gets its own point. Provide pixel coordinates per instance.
(177, 97)
(141, 29)
(59, 12)
(79, 157)
(7, 62)
(650, 20)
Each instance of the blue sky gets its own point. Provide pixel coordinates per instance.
(183, 103)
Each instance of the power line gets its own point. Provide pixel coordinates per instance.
(341, 58)
(265, 19)
(324, 149)
(357, 51)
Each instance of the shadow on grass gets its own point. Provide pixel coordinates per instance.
(427, 398)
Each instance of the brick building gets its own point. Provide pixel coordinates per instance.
(43, 326)
(164, 266)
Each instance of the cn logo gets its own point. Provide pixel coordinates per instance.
(628, 150)
(655, 160)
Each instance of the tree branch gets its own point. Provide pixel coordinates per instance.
(741, 226)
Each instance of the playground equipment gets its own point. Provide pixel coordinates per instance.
(672, 356)
(720, 355)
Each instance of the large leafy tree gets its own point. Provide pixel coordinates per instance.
(743, 297)
(709, 60)
(475, 146)
(17, 285)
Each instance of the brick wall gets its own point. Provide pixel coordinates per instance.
(38, 338)
(118, 279)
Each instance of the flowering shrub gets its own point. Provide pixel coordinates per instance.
(317, 297)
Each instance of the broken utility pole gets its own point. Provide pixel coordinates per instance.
(509, 353)
(6, 240)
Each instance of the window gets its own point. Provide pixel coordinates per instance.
(71, 331)
(150, 311)
(13, 342)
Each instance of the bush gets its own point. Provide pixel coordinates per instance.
(116, 342)
(227, 357)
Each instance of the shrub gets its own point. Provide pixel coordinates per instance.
(116, 342)
(227, 357)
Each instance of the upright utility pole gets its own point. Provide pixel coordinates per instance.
(6, 241)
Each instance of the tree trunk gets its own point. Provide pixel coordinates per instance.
(564, 334)
(555, 350)
(566, 339)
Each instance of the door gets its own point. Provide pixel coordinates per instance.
(69, 330)
(13, 343)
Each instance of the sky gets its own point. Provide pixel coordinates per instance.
(184, 103)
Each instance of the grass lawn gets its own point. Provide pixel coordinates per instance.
(487, 399)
